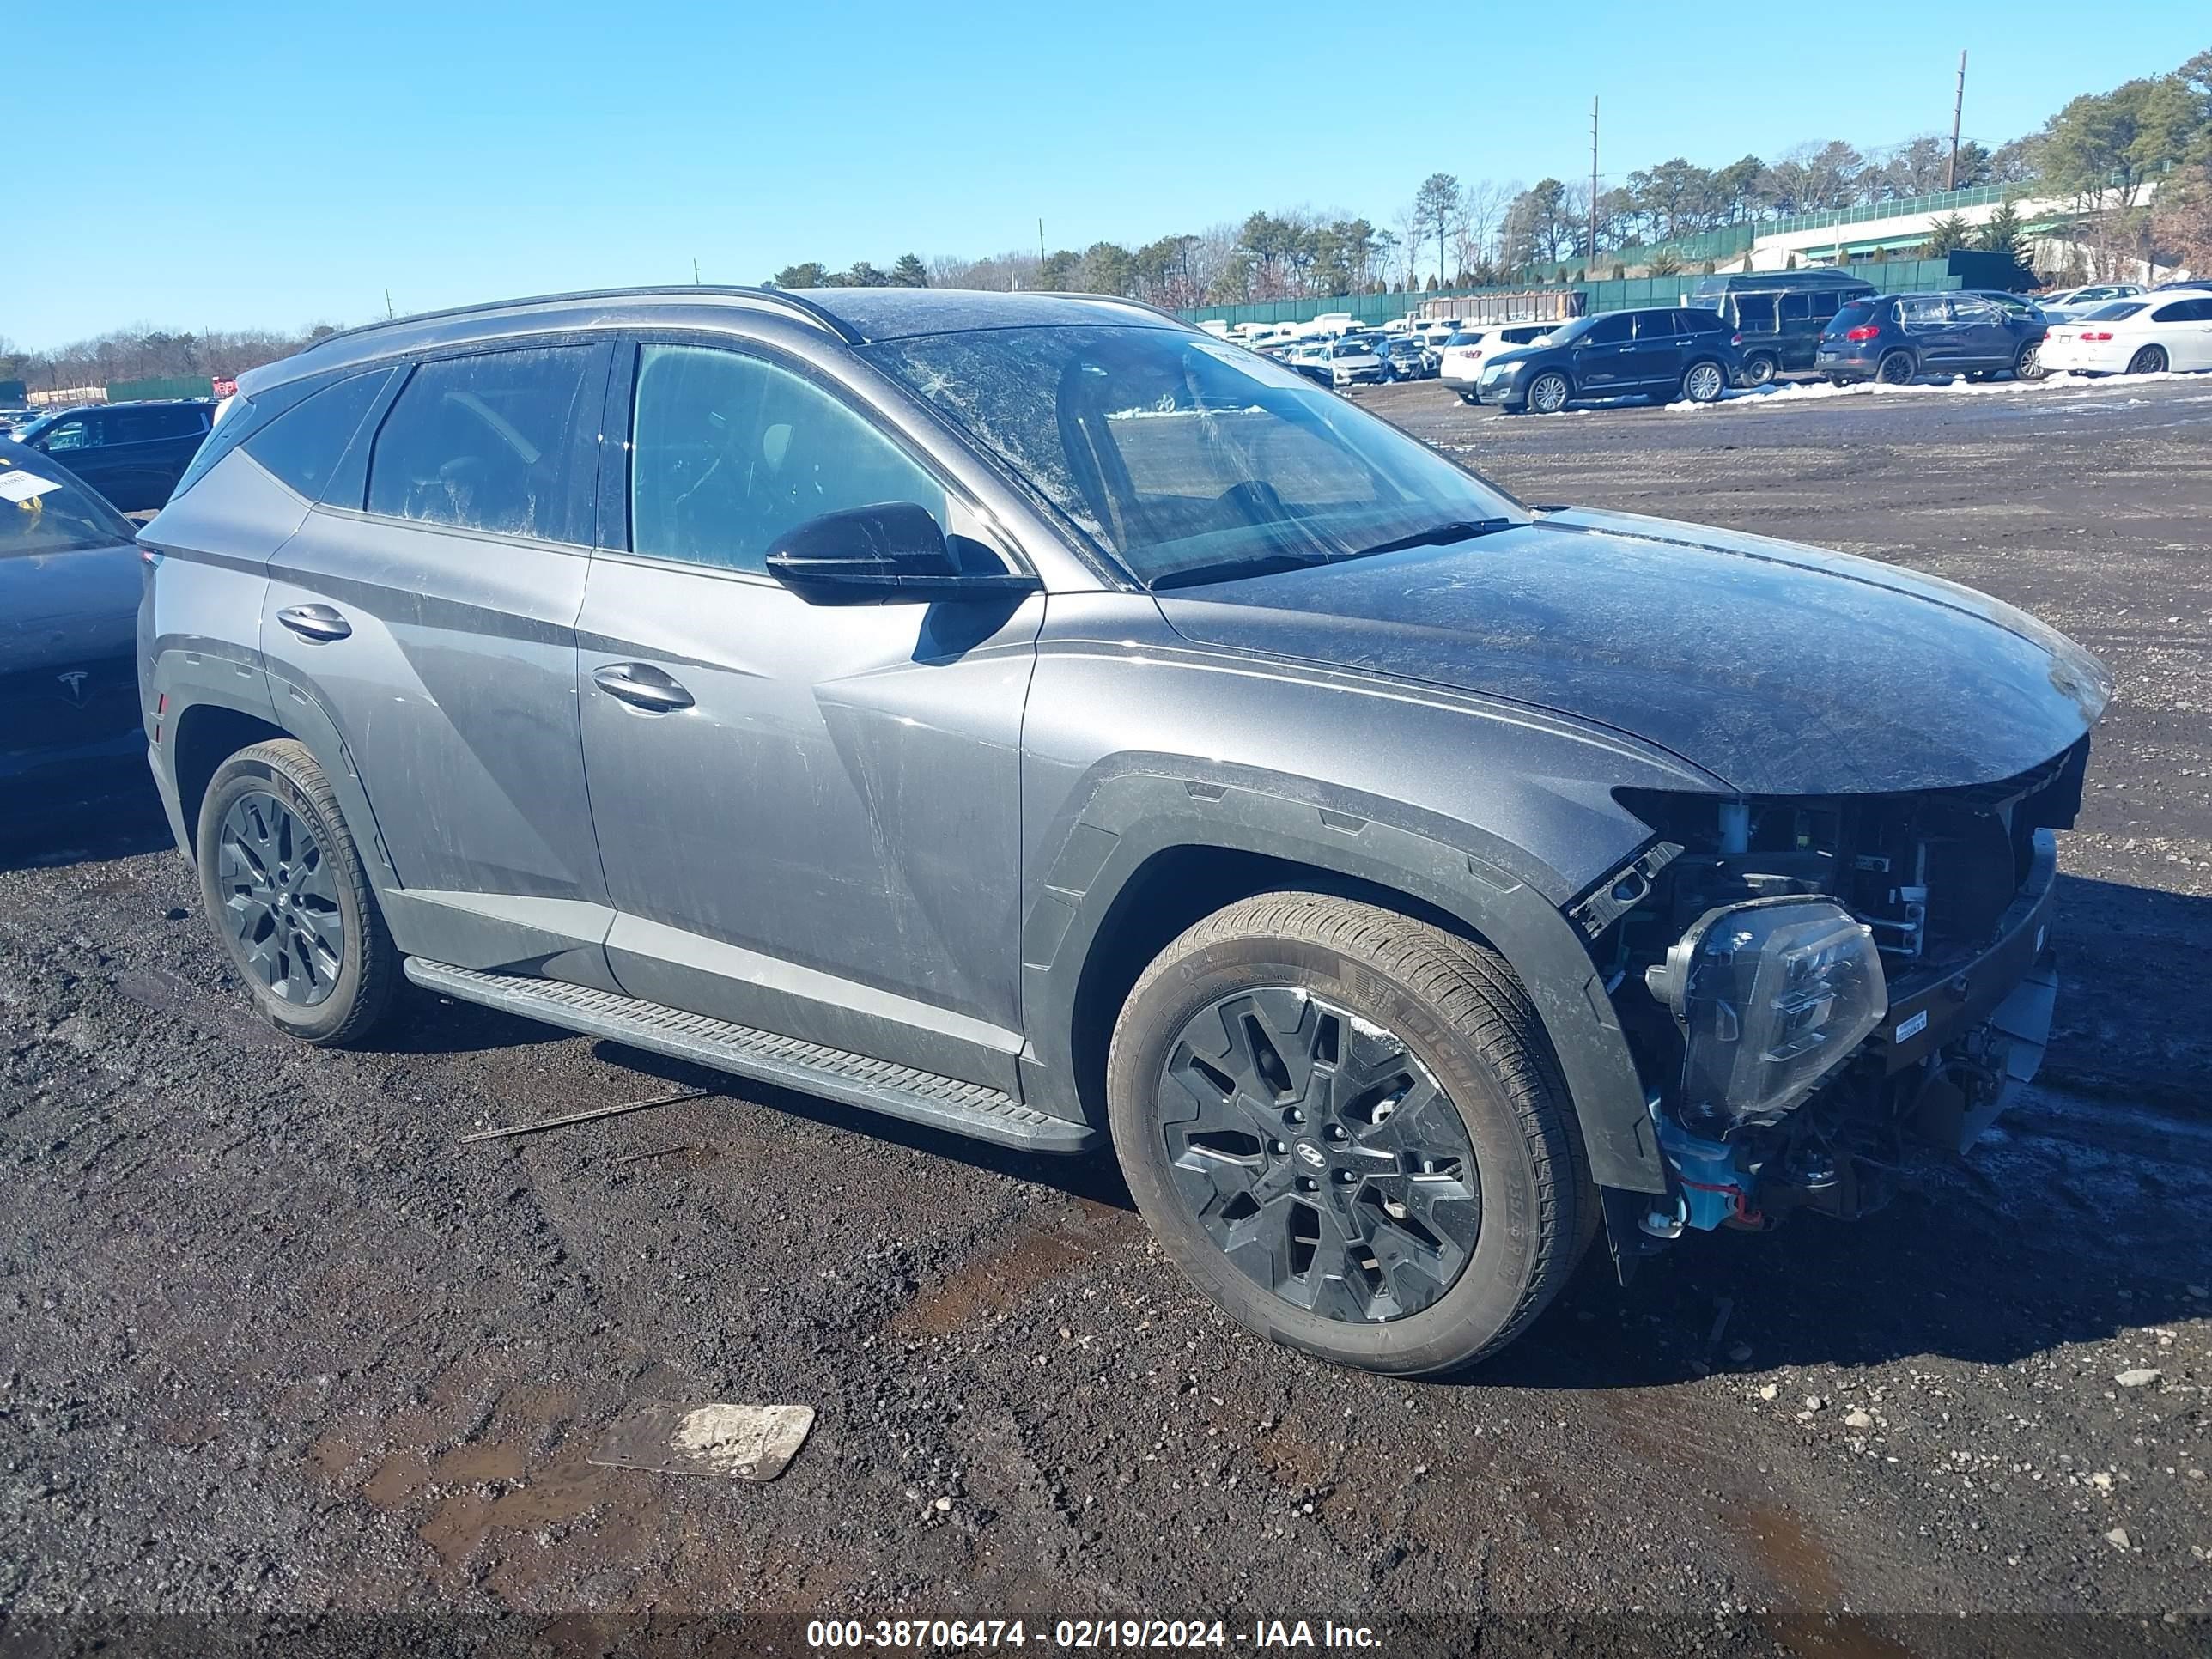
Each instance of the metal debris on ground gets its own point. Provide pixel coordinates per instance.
(596, 1113)
(752, 1442)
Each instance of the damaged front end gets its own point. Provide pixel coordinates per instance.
(1810, 982)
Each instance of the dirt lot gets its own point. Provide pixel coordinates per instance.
(271, 1343)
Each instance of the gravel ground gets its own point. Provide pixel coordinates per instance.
(271, 1343)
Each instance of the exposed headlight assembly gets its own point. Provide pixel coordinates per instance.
(1771, 996)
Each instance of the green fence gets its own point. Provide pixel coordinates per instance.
(1968, 268)
(160, 386)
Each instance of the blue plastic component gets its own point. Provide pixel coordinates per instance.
(1714, 1189)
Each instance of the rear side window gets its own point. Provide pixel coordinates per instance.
(2183, 311)
(490, 442)
(304, 445)
(1659, 325)
(727, 453)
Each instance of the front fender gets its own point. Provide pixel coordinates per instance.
(1154, 806)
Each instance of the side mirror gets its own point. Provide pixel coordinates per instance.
(892, 553)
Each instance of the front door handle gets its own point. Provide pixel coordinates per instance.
(315, 621)
(643, 686)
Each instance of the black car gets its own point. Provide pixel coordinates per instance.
(1405, 358)
(131, 454)
(1675, 351)
(69, 606)
(1897, 337)
(1777, 315)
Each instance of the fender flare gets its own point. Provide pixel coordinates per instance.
(1463, 872)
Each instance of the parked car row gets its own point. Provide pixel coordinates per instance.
(131, 454)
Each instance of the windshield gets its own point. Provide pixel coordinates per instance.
(44, 510)
(1176, 454)
(2113, 314)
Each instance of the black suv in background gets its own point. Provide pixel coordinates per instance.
(131, 454)
(1675, 351)
(1897, 337)
(1777, 315)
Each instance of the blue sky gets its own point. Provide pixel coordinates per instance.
(217, 165)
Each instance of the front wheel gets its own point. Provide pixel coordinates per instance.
(1548, 393)
(1704, 382)
(282, 885)
(1346, 1127)
(2151, 360)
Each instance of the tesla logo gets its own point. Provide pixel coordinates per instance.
(73, 684)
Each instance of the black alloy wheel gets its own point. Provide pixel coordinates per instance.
(280, 904)
(1319, 1155)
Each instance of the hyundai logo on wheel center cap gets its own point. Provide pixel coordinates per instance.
(1311, 1154)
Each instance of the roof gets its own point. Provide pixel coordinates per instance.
(857, 316)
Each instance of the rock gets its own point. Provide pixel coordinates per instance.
(2101, 1481)
(2118, 1538)
(2141, 1378)
(1814, 1402)
(945, 1502)
(1858, 1420)
(1772, 1390)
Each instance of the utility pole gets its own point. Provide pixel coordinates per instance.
(1958, 109)
(388, 313)
(694, 273)
(1593, 246)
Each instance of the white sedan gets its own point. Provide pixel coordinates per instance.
(2080, 301)
(2135, 337)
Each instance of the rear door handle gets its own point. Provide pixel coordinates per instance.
(315, 621)
(643, 686)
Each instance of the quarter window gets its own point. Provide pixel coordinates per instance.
(728, 452)
(304, 445)
(492, 442)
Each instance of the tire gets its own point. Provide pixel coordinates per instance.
(1840, 379)
(2028, 365)
(1468, 397)
(2151, 360)
(1380, 995)
(1758, 370)
(1704, 382)
(310, 944)
(1895, 368)
(1548, 393)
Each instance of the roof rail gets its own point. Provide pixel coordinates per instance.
(1111, 300)
(806, 309)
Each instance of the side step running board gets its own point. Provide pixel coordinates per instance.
(942, 1102)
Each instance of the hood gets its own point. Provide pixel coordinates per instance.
(1781, 670)
(1511, 355)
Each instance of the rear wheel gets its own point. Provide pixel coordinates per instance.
(1758, 369)
(1548, 393)
(282, 885)
(2028, 365)
(2151, 360)
(1704, 382)
(1895, 368)
(1346, 1127)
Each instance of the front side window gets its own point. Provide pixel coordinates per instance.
(1179, 456)
(490, 442)
(76, 432)
(1978, 312)
(1609, 331)
(729, 451)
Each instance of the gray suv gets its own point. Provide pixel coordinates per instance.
(1029, 716)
